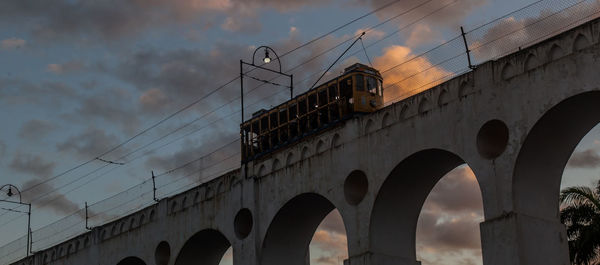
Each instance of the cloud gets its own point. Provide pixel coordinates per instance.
(584, 159)
(422, 34)
(448, 226)
(12, 43)
(153, 100)
(54, 201)
(2, 149)
(32, 164)
(35, 129)
(111, 105)
(49, 94)
(451, 17)
(90, 143)
(65, 68)
(372, 34)
(67, 19)
(408, 75)
(332, 248)
(511, 33)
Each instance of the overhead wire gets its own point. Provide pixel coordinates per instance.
(222, 86)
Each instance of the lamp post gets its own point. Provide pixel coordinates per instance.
(10, 193)
(266, 60)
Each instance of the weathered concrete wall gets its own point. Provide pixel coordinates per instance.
(515, 121)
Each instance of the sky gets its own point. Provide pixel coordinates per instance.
(145, 86)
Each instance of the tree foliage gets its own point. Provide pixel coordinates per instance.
(581, 214)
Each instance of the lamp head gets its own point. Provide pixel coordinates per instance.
(9, 193)
(267, 59)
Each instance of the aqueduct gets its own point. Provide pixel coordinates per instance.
(515, 121)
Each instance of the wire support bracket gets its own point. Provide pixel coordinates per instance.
(464, 36)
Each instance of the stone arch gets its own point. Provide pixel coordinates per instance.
(546, 150)
(289, 160)
(113, 230)
(206, 247)
(386, 120)
(403, 112)
(443, 98)
(196, 196)
(530, 62)
(76, 245)
(173, 206)
(538, 173)
(153, 213)
(423, 105)
(369, 127)
(335, 140)
(305, 153)
(131, 261)
(555, 52)
(399, 201)
(70, 249)
(580, 42)
(508, 71)
(262, 171)
(184, 200)
(131, 222)
(462, 90)
(122, 227)
(142, 219)
(283, 245)
(275, 166)
(320, 147)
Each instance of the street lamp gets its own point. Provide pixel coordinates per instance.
(10, 193)
(266, 60)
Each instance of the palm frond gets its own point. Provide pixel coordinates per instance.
(579, 196)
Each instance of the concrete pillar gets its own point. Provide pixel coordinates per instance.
(371, 258)
(519, 239)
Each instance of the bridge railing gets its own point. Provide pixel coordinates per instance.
(416, 73)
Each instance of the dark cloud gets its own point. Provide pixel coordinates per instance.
(68, 19)
(207, 152)
(585, 159)
(113, 106)
(49, 94)
(32, 164)
(35, 129)
(89, 143)
(54, 201)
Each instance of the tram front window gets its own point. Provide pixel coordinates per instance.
(372, 85)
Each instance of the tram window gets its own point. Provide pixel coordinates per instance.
(302, 107)
(372, 84)
(283, 118)
(255, 128)
(380, 87)
(264, 124)
(273, 119)
(332, 93)
(312, 102)
(360, 84)
(322, 97)
(346, 88)
(293, 113)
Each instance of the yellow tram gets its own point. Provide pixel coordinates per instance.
(358, 90)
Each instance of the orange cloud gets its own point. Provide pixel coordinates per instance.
(12, 43)
(404, 75)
